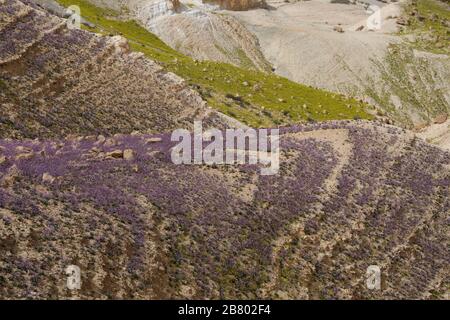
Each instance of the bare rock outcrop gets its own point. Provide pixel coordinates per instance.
(238, 5)
(200, 31)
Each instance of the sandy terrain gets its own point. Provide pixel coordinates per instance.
(300, 41)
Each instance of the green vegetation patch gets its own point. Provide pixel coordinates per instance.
(421, 96)
(255, 98)
(2, 85)
(429, 21)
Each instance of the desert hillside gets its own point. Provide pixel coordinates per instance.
(347, 196)
(87, 177)
(399, 64)
(253, 97)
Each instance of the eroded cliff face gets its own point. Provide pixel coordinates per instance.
(238, 5)
(223, 38)
(197, 29)
(55, 81)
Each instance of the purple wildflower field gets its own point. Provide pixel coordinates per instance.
(143, 227)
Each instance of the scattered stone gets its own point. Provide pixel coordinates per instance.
(24, 156)
(100, 139)
(281, 100)
(338, 29)
(153, 140)
(120, 45)
(116, 154)
(46, 177)
(128, 154)
(283, 295)
(360, 28)
(23, 149)
(10, 176)
(94, 150)
(110, 142)
(402, 21)
(88, 24)
(2, 159)
(245, 84)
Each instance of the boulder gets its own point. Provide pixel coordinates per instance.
(440, 118)
(46, 177)
(128, 154)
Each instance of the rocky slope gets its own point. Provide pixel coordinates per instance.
(347, 196)
(55, 82)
